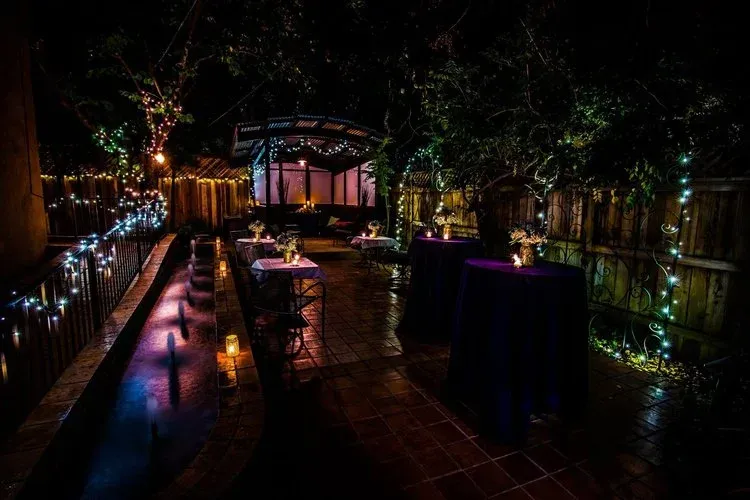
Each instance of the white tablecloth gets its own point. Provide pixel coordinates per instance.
(379, 242)
(306, 268)
(268, 244)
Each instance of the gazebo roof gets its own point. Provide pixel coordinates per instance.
(331, 143)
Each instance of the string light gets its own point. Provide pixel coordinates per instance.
(421, 154)
(662, 309)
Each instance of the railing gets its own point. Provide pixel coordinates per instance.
(46, 325)
(75, 216)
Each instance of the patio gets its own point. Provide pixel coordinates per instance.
(363, 415)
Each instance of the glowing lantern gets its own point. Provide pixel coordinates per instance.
(233, 346)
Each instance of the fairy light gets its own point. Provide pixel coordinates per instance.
(421, 154)
(664, 308)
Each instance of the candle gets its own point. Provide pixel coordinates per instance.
(446, 236)
(232, 346)
(364, 234)
(296, 259)
(268, 236)
(313, 206)
(516, 261)
(223, 266)
(428, 234)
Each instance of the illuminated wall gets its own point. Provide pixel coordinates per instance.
(294, 173)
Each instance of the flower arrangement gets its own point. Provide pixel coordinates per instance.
(286, 242)
(256, 226)
(527, 234)
(375, 227)
(445, 216)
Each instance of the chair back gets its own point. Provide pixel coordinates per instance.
(254, 252)
(236, 235)
(272, 291)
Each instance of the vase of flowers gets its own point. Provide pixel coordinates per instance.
(445, 218)
(375, 227)
(287, 244)
(256, 227)
(527, 235)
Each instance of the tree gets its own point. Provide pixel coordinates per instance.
(151, 69)
(539, 104)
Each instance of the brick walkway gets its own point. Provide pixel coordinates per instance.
(362, 416)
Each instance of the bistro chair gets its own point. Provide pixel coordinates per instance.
(253, 252)
(240, 233)
(400, 260)
(273, 295)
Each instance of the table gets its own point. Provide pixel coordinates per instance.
(306, 269)
(435, 274)
(269, 244)
(367, 242)
(520, 343)
(372, 247)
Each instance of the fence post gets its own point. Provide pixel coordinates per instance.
(138, 243)
(94, 296)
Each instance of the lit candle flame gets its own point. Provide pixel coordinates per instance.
(516, 261)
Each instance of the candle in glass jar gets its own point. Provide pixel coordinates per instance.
(446, 236)
(428, 234)
(364, 234)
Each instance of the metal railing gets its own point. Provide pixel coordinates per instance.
(46, 325)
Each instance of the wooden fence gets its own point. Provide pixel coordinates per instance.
(209, 200)
(621, 248)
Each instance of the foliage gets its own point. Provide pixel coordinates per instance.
(530, 106)
(256, 226)
(527, 233)
(139, 68)
(444, 215)
(287, 242)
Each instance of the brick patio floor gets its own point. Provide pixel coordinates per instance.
(362, 416)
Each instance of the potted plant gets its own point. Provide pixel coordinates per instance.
(445, 218)
(257, 228)
(375, 227)
(287, 244)
(527, 234)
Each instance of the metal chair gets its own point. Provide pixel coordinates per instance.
(253, 252)
(275, 294)
(400, 260)
(236, 235)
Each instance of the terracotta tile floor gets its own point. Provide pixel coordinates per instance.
(361, 415)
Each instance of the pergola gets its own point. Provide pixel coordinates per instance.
(317, 159)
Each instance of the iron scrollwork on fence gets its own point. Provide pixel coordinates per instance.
(631, 269)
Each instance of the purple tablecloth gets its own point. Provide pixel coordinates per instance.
(520, 343)
(306, 269)
(435, 274)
